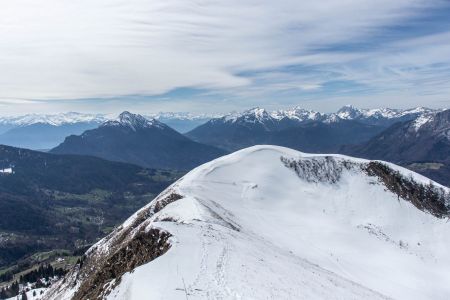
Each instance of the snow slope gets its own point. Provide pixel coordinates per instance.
(248, 226)
(30, 295)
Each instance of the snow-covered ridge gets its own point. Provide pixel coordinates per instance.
(271, 222)
(422, 120)
(75, 117)
(350, 112)
(251, 115)
(347, 112)
(182, 116)
(53, 119)
(297, 113)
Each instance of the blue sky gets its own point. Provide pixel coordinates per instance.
(222, 55)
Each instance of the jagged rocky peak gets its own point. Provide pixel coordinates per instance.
(298, 113)
(134, 121)
(349, 112)
(255, 114)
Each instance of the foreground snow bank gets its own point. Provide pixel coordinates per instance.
(272, 223)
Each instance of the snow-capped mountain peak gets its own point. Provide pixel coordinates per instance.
(134, 122)
(297, 226)
(297, 113)
(349, 112)
(253, 115)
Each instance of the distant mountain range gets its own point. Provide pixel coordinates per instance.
(422, 144)
(379, 116)
(42, 132)
(300, 129)
(46, 131)
(415, 138)
(42, 136)
(52, 119)
(135, 139)
(181, 122)
(52, 202)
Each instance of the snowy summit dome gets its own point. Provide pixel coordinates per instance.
(272, 223)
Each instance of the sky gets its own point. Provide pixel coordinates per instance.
(106, 56)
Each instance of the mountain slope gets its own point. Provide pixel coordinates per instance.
(135, 139)
(426, 138)
(270, 222)
(300, 129)
(319, 137)
(237, 131)
(63, 202)
(422, 144)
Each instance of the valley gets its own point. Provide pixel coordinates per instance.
(53, 202)
(224, 150)
(56, 205)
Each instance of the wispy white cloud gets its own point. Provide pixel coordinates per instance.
(63, 49)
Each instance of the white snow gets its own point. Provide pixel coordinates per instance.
(134, 121)
(297, 113)
(6, 171)
(350, 112)
(254, 115)
(30, 295)
(249, 227)
(301, 115)
(182, 116)
(53, 119)
(422, 120)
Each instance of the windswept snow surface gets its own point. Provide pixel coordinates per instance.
(249, 227)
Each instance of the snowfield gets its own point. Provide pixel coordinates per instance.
(249, 227)
(30, 295)
(6, 171)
